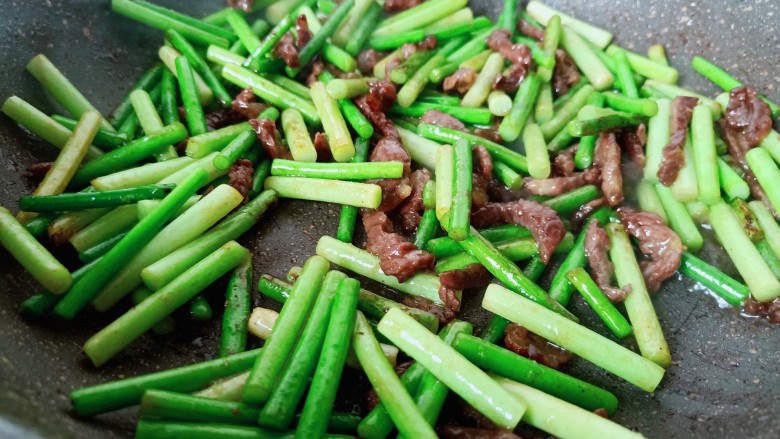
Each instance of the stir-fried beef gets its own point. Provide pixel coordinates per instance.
(394, 190)
(543, 222)
(400, 5)
(607, 157)
(242, 5)
(436, 117)
(489, 134)
(518, 340)
(483, 163)
(770, 310)
(633, 143)
(746, 122)
(560, 185)
(563, 163)
(527, 29)
(411, 208)
(37, 171)
(473, 276)
(367, 59)
(429, 43)
(245, 103)
(445, 315)
(397, 256)
(265, 129)
(459, 432)
(673, 157)
(584, 212)
(565, 74)
(519, 55)
(657, 241)
(240, 176)
(596, 248)
(460, 81)
(288, 48)
(322, 146)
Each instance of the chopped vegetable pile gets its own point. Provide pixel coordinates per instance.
(464, 146)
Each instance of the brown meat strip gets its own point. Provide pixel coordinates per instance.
(394, 190)
(240, 177)
(483, 162)
(527, 344)
(411, 208)
(473, 276)
(397, 256)
(560, 185)
(657, 241)
(460, 81)
(673, 157)
(445, 315)
(543, 222)
(596, 247)
(245, 103)
(265, 129)
(563, 163)
(429, 43)
(37, 171)
(322, 146)
(367, 59)
(584, 211)
(565, 74)
(607, 157)
(747, 120)
(400, 5)
(459, 432)
(633, 143)
(527, 29)
(242, 5)
(442, 119)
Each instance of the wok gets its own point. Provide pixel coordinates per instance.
(725, 379)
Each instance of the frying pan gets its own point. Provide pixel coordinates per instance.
(725, 379)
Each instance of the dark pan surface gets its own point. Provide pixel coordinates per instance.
(725, 379)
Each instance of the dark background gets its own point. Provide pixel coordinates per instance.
(725, 377)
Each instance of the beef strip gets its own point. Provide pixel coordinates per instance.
(397, 256)
(565, 73)
(747, 120)
(240, 177)
(657, 241)
(367, 59)
(445, 315)
(429, 43)
(527, 344)
(394, 190)
(460, 81)
(527, 29)
(245, 103)
(265, 129)
(322, 146)
(473, 276)
(288, 48)
(560, 185)
(413, 205)
(489, 134)
(633, 143)
(543, 222)
(242, 5)
(442, 119)
(400, 5)
(37, 171)
(770, 310)
(673, 157)
(459, 432)
(596, 247)
(584, 211)
(519, 55)
(607, 157)
(483, 162)
(563, 164)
